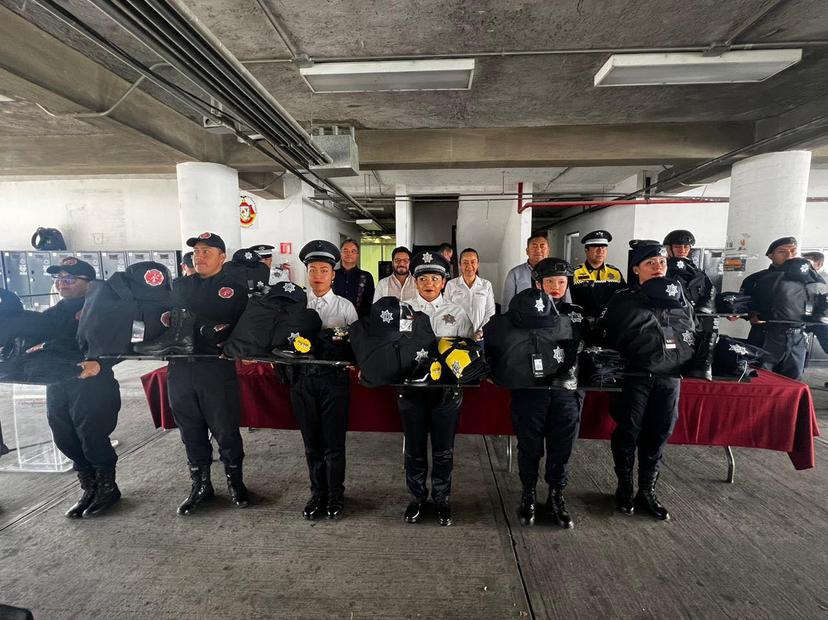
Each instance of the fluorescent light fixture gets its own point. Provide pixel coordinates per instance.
(694, 67)
(368, 225)
(390, 75)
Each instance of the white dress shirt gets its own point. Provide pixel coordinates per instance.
(391, 287)
(447, 318)
(477, 300)
(335, 311)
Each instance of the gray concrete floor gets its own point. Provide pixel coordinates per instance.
(754, 549)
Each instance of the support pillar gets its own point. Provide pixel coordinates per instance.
(404, 218)
(208, 200)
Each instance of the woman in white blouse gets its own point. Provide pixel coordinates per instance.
(471, 292)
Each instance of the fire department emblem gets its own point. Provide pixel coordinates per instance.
(153, 277)
(69, 261)
(225, 292)
(205, 235)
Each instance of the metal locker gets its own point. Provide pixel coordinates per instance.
(40, 281)
(138, 256)
(113, 262)
(168, 258)
(94, 259)
(16, 273)
(56, 257)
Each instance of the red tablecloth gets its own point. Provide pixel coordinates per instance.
(770, 412)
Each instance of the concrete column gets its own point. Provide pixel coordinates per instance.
(404, 216)
(767, 201)
(208, 199)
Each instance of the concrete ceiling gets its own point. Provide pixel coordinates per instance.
(527, 103)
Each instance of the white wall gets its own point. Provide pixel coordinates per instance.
(815, 233)
(433, 222)
(96, 213)
(481, 225)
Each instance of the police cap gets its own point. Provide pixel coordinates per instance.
(551, 267)
(780, 241)
(208, 238)
(319, 251)
(74, 267)
(430, 262)
(679, 237)
(263, 250)
(643, 252)
(246, 256)
(531, 309)
(597, 237)
(663, 292)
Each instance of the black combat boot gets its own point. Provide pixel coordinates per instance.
(624, 492)
(177, 340)
(107, 493)
(412, 513)
(646, 498)
(556, 508)
(235, 486)
(336, 505)
(88, 485)
(201, 491)
(444, 513)
(526, 509)
(315, 507)
(701, 365)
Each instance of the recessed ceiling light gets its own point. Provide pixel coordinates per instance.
(694, 67)
(390, 75)
(4, 98)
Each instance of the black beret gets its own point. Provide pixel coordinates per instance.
(430, 262)
(74, 267)
(319, 251)
(597, 237)
(208, 238)
(551, 267)
(643, 252)
(780, 241)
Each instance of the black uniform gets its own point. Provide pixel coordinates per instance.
(204, 393)
(357, 286)
(700, 292)
(782, 293)
(653, 328)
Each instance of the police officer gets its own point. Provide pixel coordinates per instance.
(277, 274)
(320, 394)
(699, 291)
(434, 411)
(82, 412)
(785, 342)
(653, 328)
(548, 416)
(204, 391)
(354, 284)
(594, 281)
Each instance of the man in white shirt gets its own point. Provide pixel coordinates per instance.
(399, 284)
(471, 292)
(320, 394)
(434, 411)
(520, 278)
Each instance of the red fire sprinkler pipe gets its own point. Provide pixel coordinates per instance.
(564, 204)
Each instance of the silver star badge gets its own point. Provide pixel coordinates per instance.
(593, 350)
(729, 299)
(672, 290)
(739, 349)
(293, 336)
(575, 317)
(427, 258)
(680, 264)
(248, 255)
(558, 354)
(421, 355)
(259, 284)
(289, 287)
(539, 304)
(449, 319)
(803, 268)
(688, 337)
(386, 316)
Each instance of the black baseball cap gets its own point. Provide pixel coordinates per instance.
(74, 267)
(208, 238)
(187, 259)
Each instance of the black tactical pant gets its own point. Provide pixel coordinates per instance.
(204, 398)
(425, 411)
(320, 398)
(82, 413)
(545, 416)
(646, 411)
(787, 349)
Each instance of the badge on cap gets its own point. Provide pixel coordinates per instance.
(672, 290)
(422, 354)
(289, 287)
(386, 316)
(225, 292)
(558, 354)
(539, 305)
(427, 258)
(69, 261)
(248, 255)
(680, 264)
(205, 235)
(153, 277)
